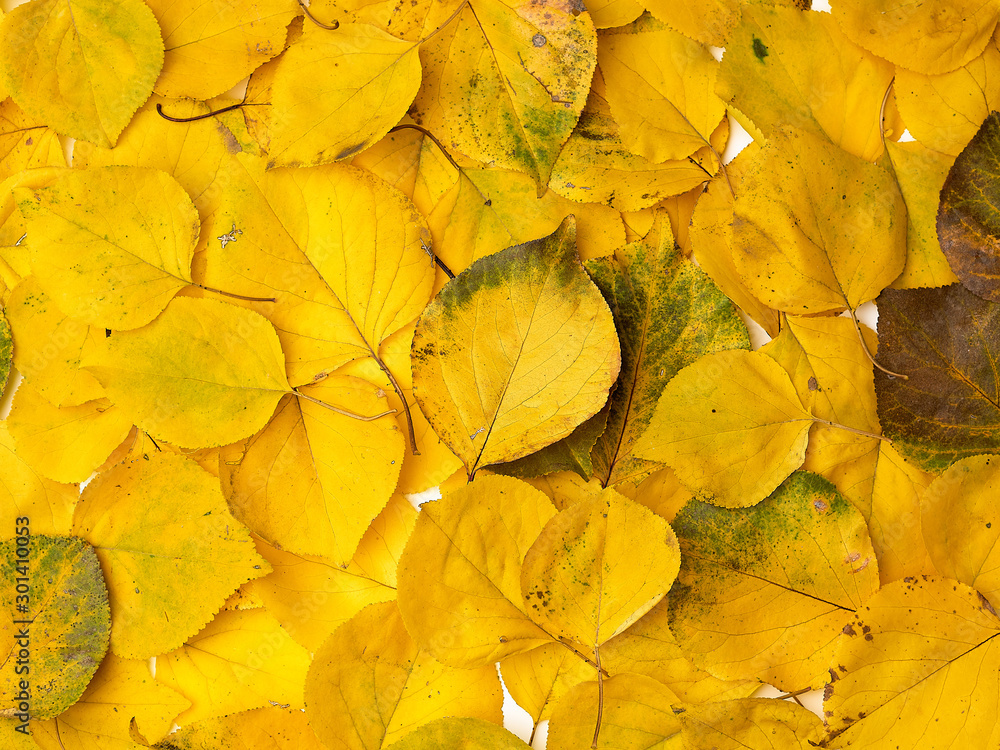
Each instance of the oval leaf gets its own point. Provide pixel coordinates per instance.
(515, 352)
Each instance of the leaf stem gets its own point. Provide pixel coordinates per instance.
(344, 412)
(311, 17)
(579, 653)
(881, 111)
(600, 695)
(234, 295)
(429, 134)
(828, 423)
(159, 111)
(864, 345)
(406, 407)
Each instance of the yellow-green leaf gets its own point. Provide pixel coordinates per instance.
(204, 373)
(725, 453)
(54, 636)
(370, 684)
(516, 352)
(111, 246)
(169, 547)
(597, 567)
(763, 592)
(459, 577)
(81, 66)
(516, 81)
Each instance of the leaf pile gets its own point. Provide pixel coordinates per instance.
(491, 247)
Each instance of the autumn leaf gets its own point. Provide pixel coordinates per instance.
(24, 143)
(538, 679)
(375, 684)
(646, 283)
(911, 664)
(25, 493)
(61, 635)
(460, 734)
(159, 524)
(283, 728)
(942, 340)
(575, 580)
(753, 723)
(209, 48)
(460, 597)
(764, 591)
(932, 37)
(968, 224)
(541, 357)
(79, 65)
(815, 228)
(198, 363)
(6, 351)
(516, 79)
(122, 694)
(726, 454)
(322, 114)
(636, 713)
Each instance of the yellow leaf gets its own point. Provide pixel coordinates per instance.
(370, 684)
(597, 567)
(537, 679)
(170, 550)
(784, 68)
(816, 228)
(637, 714)
(313, 240)
(337, 92)
(723, 452)
(81, 66)
(239, 661)
(460, 734)
(515, 353)
(65, 444)
(312, 597)
(122, 693)
(48, 346)
(920, 174)
(708, 22)
(313, 479)
(595, 166)
(650, 648)
(271, 727)
(912, 667)
(661, 492)
(210, 47)
(25, 142)
(204, 373)
(607, 14)
(893, 517)
(24, 493)
(660, 86)
(192, 153)
(750, 724)
(957, 513)
(929, 37)
(943, 112)
(111, 246)
(459, 577)
(712, 238)
(832, 375)
(411, 21)
(763, 592)
(516, 81)
(54, 627)
(14, 250)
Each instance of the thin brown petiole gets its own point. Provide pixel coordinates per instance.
(434, 140)
(852, 429)
(600, 695)
(344, 412)
(451, 18)
(311, 17)
(864, 345)
(235, 296)
(159, 111)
